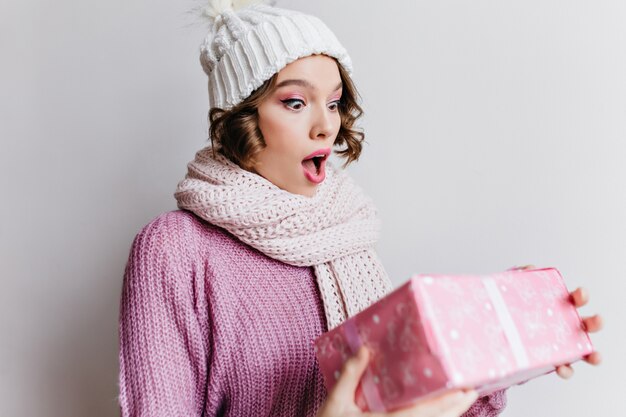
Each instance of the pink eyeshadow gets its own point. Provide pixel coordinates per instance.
(291, 96)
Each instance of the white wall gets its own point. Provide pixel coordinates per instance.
(496, 137)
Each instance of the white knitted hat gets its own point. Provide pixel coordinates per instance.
(248, 43)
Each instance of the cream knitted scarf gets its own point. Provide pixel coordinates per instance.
(334, 231)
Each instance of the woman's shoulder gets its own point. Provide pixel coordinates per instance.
(180, 232)
(169, 247)
(172, 232)
(176, 222)
(177, 243)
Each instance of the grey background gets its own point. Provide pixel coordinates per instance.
(495, 134)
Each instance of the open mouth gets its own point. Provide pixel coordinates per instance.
(314, 165)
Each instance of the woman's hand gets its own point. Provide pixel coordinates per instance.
(592, 324)
(580, 297)
(340, 401)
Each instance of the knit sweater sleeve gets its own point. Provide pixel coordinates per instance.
(489, 405)
(163, 326)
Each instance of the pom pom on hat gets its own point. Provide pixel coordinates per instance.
(214, 8)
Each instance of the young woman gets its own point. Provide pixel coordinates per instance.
(272, 245)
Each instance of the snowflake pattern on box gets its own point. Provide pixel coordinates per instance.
(439, 332)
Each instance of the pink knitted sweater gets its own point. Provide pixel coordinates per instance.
(211, 327)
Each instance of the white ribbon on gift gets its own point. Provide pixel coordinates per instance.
(508, 325)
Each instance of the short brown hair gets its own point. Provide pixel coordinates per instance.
(235, 132)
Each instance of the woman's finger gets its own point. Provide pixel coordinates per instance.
(593, 358)
(521, 268)
(593, 323)
(461, 406)
(350, 375)
(448, 404)
(565, 371)
(580, 296)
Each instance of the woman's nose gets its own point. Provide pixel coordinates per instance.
(322, 123)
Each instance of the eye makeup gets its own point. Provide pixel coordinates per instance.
(290, 102)
(284, 97)
(336, 97)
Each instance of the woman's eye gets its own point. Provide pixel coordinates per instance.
(293, 103)
(334, 105)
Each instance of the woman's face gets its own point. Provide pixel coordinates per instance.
(299, 121)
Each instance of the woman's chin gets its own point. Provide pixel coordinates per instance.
(303, 187)
(306, 189)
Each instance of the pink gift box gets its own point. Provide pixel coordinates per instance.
(440, 332)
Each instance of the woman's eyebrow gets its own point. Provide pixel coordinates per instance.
(303, 83)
